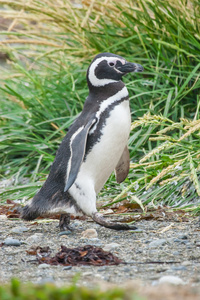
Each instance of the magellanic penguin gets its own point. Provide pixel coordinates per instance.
(94, 146)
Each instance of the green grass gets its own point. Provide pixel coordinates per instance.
(44, 88)
(16, 290)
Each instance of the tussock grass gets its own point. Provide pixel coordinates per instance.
(50, 44)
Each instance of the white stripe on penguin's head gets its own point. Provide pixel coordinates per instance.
(93, 79)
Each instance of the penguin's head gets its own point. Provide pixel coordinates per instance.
(108, 68)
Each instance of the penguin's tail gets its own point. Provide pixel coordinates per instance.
(28, 213)
(99, 219)
(37, 207)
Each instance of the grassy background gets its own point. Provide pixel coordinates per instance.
(50, 44)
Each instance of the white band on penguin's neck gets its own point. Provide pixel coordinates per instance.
(91, 74)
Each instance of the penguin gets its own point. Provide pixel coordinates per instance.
(94, 146)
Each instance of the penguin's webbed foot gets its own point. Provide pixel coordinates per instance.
(64, 223)
(99, 219)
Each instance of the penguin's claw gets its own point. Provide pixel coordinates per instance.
(99, 219)
(64, 223)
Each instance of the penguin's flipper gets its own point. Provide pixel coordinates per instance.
(122, 168)
(77, 151)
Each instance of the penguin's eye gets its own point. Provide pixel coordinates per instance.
(111, 64)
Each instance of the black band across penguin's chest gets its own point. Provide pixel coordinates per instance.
(97, 130)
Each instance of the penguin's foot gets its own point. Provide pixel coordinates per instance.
(99, 219)
(64, 223)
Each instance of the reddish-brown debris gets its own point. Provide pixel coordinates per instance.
(86, 255)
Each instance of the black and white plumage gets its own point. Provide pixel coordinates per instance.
(94, 146)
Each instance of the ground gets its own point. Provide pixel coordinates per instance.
(160, 248)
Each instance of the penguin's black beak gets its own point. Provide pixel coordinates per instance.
(130, 67)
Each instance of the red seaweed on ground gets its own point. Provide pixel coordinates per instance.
(85, 255)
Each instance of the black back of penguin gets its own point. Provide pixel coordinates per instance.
(72, 184)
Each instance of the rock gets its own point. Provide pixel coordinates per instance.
(197, 243)
(176, 253)
(111, 246)
(19, 230)
(12, 242)
(178, 268)
(68, 232)
(3, 217)
(175, 280)
(89, 233)
(95, 242)
(43, 266)
(157, 243)
(183, 237)
(186, 263)
(35, 238)
(177, 241)
(181, 241)
(102, 269)
(67, 268)
(46, 280)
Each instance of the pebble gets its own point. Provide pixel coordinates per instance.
(19, 230)
(43, 266)
(12, 242)
(176, 240)
(46, 280)
(35, 238)
(94, 242)
(197, 243)
(183, 237)
(175, 280)
(181, 241)
(111, 246)
(157, 243)
(176, 253)
(101, 269)
(67, 268)
(178, 268)
(68, 232)
(186, 263)
(89, 233)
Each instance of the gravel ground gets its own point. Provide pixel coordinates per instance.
(164, 249)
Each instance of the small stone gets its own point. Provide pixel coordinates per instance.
(12, 242)
(177, 241)
(127, 270)
(95, 242)
(77, 223)
(35, 238)
(186, 263)
(157, 243)
(19, 230)
(89, 233)
(181, 241)
(3, 217)
(178, 268)
(175, 280)
(101, 269)
(67, 268)
(87, 274)
(183, 237)
(111, 246)
(68, 232)
(43, 266)
(176, 253)
(46, 280)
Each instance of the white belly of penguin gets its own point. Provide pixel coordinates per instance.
(103, 158)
